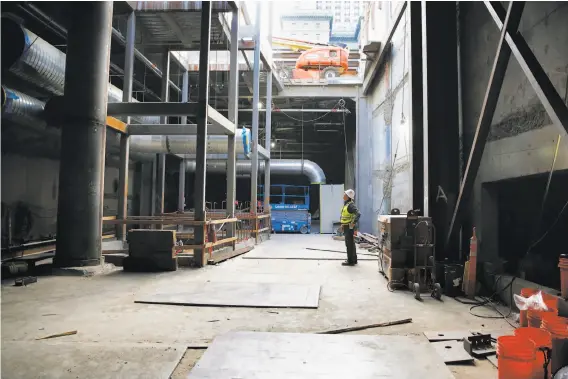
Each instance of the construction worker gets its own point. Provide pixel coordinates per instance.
(349, 218)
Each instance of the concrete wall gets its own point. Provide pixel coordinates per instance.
(384, 152)
(522, 141)
(35, 181)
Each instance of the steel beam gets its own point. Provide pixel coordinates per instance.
(511, 24)
(162, 129)
(220, 122)
(184, 93)
(181, 186)
(425, 103)
(547, 94)
(255, 114)
(374, 69)
(320, 91)
(267, 143)
(201, 140)
(174, 26)
(233, 117)
(152, 109)
(125, 138)
(81, 174)
(263, 153)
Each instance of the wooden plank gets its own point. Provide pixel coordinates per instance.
(109, 218)
(222, 221)
(153, 222)
(220, 257)
(263, 230)
(120, 251)
(221, 242)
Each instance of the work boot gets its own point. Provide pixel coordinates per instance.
(347, 263)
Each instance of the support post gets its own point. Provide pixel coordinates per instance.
(268, 123)
(425, 161)
(233, 117)
(182, 163)
(181, 186)
(81, 175)
(416, 105)
(125, 138)
(185, 93)
(201, 139)
(255, 114)
(496, 79)
(161, 172)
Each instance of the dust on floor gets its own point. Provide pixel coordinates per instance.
(102, 308)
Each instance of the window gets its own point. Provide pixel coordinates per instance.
(333, 54)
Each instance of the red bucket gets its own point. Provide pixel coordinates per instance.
(542, 339)
(516, 357)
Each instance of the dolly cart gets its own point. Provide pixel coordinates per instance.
(422, 278)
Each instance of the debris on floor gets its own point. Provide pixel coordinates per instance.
(363, 327)
(57, 335)
(25, 281)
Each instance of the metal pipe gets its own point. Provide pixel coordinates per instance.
(22, 109)
(277, 166)
(79, 212)
(33, 60)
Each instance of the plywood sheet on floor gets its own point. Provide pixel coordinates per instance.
(62, 360)
(305, 255)
(313, 356)
(255, 295)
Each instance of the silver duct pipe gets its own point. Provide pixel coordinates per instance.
(187, 144)
(277, 167)
(22, 109)
(34, 60)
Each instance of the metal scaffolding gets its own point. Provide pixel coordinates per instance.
(208, 122)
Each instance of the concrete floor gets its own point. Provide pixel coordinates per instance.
(102, 308)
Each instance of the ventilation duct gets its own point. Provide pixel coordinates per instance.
(22, 109)
(32, 59)
(188, 144)
(277, 167)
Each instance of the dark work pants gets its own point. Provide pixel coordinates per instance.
(350, 244)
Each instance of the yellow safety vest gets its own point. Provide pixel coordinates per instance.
(346, 217)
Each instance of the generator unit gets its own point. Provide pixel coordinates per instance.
(407, 255)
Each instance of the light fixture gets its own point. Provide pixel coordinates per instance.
(273, 144)
(260, 105)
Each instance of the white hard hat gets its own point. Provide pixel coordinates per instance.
(350, 193)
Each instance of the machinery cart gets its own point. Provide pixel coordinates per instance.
(422, 276)
(407, 254)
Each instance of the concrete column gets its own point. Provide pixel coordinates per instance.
(233, 117)
(255, 115)
(125, 138)
(79, 210)
(201, 138)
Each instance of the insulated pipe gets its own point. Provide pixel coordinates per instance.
(34, 60)
(277, 167)
(188, 144)
(22, 109)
